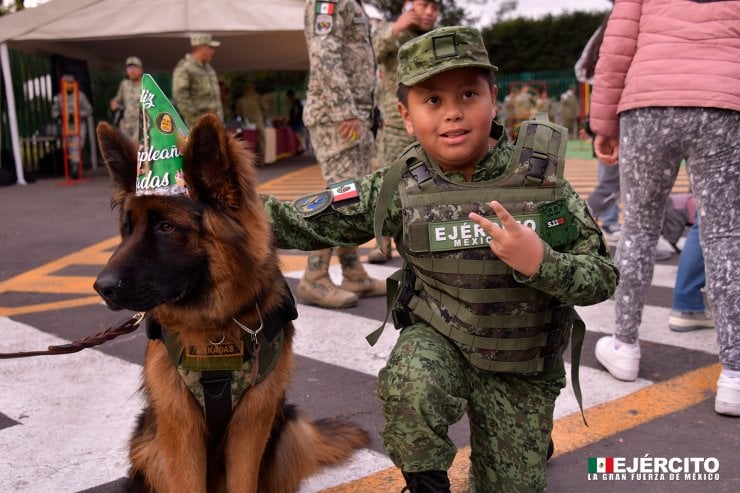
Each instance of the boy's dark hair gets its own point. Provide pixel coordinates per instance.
(402, 93)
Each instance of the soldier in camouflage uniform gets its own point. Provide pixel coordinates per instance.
(465, 313)
(393, 138)
(194, 83)
(127, 97)
(338, 116)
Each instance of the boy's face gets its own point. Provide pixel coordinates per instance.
(450, 114)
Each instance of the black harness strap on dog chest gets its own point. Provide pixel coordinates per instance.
(217, 396)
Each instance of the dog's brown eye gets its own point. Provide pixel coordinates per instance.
(126, 228)
(165, 227)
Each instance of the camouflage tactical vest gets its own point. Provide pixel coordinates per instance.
(454, 282)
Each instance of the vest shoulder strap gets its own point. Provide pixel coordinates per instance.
(390, 185)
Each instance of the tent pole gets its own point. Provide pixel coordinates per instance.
(14, 138)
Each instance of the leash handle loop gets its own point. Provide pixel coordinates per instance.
(126, 327)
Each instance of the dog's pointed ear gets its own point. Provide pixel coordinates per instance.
(119, 153)
(211, 169)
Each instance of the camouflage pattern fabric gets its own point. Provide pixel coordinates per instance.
(427, 385)
(648, 169)
(341, 159)
(584, 262)
(342, 74)
(127, 97)
(195, 90)
(241, 379)
(392, 138)
(514, 412)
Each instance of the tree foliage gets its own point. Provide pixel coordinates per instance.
(549, 43)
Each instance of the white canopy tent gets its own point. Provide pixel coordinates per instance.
(254, 35)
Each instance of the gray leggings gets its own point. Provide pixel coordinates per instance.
(652, 143)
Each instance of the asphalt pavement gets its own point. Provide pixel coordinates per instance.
(65, 420)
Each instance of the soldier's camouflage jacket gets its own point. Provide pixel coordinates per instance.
(386, 53)
(195, 90)
(128, 97)
(342, 75)
(579, 273)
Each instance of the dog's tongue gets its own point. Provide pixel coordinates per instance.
(159, 164)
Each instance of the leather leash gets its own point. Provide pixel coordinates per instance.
(125, 327)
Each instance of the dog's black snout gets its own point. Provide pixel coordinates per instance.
(108, 285)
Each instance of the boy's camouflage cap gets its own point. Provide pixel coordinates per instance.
(441, 50)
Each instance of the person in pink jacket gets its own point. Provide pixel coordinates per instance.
(667, 89)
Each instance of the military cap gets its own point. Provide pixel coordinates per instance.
(203, 39)
(134, 60)
(440, 50)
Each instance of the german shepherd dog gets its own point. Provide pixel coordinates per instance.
(204, 269)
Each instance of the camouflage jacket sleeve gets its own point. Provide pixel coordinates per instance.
(181, 92)
(350, 224)
(384, 44)
(118, 98)
(327, 65)
(581, 272)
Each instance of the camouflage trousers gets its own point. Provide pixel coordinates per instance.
(427, 385)
(341, 159)
(391, 141)
(652, 144)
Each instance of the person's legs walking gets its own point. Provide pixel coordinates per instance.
(317, 288)
(714, 170)
(688, 311)
(645, 189)
(340, 160)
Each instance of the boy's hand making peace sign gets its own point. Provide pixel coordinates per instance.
(514, 243)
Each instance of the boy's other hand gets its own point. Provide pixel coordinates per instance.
(517, 245)
(350, 129)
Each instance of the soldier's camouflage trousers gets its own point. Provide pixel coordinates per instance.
(652, 144)
(341, 159)
(427, 385)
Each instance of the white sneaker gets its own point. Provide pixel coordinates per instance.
(728, 396)
(623, 362)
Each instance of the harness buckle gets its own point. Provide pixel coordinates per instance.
(537, 167)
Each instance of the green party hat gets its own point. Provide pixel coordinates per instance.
(159, 163)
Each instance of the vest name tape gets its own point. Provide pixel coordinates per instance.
(456, 235)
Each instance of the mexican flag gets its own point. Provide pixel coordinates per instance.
(324, 8)
(344, 190)
(600, 464)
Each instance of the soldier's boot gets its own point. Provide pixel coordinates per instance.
(427, 482)
(377, 256)
(316, 287)
(356, 279)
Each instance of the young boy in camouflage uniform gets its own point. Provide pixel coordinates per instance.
(485, 311)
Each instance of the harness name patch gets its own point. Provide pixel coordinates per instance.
(456, 235)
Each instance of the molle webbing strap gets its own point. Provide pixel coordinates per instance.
(459, 311)
(542, 143)
(535, 365)
(460, 266)
(481, 195)
(387, 190)
(393, 284)
(436, 288)
(423, 311)
(576, 342)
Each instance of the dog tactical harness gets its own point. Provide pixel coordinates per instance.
(218, 382)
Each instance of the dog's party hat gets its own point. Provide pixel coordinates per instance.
(159, 163)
